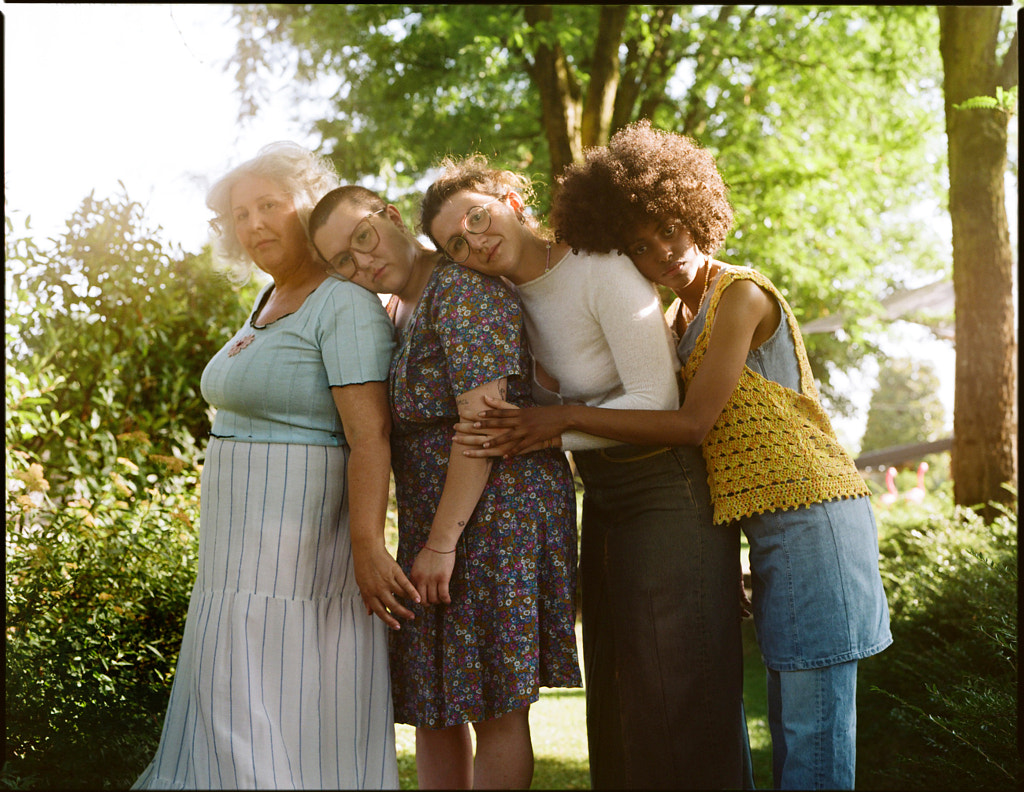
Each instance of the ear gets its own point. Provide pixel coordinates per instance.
(515, 201)
(395, 216)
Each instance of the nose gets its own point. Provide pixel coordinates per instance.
(363, 261)
(475, 241)
(251, 222)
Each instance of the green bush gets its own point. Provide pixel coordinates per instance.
(97, 592)
(939, 709)
(106, 336)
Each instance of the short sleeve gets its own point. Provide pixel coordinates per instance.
(356, 336)
(479, 324)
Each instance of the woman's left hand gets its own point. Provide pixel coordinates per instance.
(431, 573)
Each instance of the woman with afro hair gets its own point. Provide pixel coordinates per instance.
(775, 467)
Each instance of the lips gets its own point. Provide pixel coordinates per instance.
(673, 270)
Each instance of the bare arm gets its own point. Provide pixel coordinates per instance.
(366, 418)
(746, 317)
(463, 485)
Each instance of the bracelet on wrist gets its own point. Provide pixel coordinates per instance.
(439, 552)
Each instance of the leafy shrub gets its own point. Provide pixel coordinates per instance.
(939, 709)
(97, 591)
(106, 336)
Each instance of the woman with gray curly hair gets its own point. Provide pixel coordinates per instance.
(282, 679)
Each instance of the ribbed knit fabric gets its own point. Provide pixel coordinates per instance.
(595, 324)
(771, 448)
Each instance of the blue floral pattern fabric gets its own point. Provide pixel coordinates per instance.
(509, 628)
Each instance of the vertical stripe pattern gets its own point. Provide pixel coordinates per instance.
(282, 681)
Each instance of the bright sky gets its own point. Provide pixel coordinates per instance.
(95, 94)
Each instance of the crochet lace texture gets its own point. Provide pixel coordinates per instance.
(771, 448)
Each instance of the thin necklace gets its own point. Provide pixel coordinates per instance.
(707, 280)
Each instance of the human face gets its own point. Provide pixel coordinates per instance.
(366, 248)
(267, 225)
(476, 221)
(364, 239)
(492, 243)
(664, 252)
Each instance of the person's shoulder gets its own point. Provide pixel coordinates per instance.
(605, 270)
(457, 279)
(736, 272)
(591, 258)
(334, 291)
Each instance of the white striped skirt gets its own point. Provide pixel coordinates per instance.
(282, 681)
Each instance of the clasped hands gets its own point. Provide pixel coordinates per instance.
(506, 430)
(383, 584)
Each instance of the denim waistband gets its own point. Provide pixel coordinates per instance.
(622, 453)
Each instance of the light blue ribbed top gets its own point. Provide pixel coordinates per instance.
(276, 388)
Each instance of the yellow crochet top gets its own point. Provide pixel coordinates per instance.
(771, 448)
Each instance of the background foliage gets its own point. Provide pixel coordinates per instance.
(106, 336)
(905, 408)
(826, 120)
(939, 707)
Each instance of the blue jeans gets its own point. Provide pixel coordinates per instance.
(812, 716)
(819, 607)
(661, 623)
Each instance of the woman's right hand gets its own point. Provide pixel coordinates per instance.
(381, 582)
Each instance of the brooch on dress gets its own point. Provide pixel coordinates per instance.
(240, 344)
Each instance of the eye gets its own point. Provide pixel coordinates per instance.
(240, 216)
(669, 230)
(362, 235)
(344, 262)
(456, 247)
(636, 251)
(475, 216)
(269, 204)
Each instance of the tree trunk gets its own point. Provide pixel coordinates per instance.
(604, 76)
(985, 404)
(559, 95)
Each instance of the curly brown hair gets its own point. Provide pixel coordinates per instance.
(643, 174)
(472, 173)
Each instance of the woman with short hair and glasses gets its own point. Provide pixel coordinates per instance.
(661, 605)
(489, 545)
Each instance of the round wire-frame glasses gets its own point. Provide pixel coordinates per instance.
(476, 221)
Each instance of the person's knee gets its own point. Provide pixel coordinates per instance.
(510, 724)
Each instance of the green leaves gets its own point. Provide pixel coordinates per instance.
(1005, 101)
(826, 120)
(106, 335)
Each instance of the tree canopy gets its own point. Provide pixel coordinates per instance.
(905, 407)
(826, 120)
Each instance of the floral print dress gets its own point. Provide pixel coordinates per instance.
(509, 628)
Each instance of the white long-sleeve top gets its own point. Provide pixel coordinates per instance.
(597, 326)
